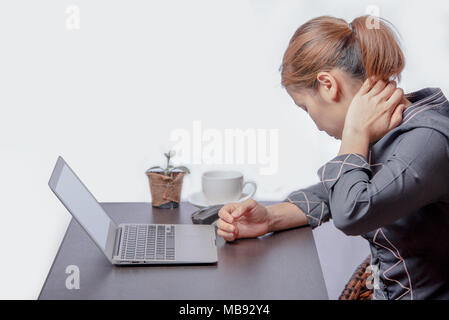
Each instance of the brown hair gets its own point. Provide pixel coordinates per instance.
(326, 42)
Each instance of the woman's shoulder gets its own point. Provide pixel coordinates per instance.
(427, 103)
(423, 143)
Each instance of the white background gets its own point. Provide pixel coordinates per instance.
(107, 96)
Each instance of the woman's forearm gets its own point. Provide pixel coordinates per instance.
(354, 141)
(285, 215)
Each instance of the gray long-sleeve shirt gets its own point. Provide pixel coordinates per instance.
(397, 199)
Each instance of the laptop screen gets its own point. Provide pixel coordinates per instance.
(82, 205)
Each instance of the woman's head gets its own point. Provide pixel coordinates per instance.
(327, 60)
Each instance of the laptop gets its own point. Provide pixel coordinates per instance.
(128, 243)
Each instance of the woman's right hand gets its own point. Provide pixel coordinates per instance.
(247, 219)
(375, 110)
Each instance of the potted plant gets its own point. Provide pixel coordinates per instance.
(166, 183)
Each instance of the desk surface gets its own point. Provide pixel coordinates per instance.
(280, 265)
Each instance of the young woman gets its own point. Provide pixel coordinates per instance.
(390, 181)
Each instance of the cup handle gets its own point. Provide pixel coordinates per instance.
(252, 192)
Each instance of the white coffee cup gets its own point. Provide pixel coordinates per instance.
(221, 186)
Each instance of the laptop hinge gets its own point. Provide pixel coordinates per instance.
(117, 241)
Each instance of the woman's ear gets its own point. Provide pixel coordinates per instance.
(328, 87)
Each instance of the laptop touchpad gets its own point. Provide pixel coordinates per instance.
(196, 241)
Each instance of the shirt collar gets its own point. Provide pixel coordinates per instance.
(423, 96)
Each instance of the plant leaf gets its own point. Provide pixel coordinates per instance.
(155, 167)
(182, 168)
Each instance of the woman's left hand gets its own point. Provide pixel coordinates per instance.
(375, 110)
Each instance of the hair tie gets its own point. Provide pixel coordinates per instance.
(350, 27)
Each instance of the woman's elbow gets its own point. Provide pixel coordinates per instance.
(349, 224)
(350, 214)
(348, 228)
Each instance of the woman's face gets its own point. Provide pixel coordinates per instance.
(329, 103)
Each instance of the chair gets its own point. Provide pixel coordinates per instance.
(356, 288)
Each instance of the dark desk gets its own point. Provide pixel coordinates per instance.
(281, 265)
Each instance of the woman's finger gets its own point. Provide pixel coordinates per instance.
(226, 235)
(396, 118)
(367, 85)
(225, 213)
(395, 98)
(377, 88)
(225, 226)
(387, 91)
(244, 207)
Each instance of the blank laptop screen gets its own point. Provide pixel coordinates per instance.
(82, 204)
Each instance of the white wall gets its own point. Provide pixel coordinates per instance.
(107, 97)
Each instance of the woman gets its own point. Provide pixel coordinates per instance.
(389, 182)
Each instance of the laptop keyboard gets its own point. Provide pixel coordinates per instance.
(148, 242)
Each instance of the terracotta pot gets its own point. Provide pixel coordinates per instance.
(165, 190)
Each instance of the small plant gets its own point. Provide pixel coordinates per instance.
(166, 183)
(169, 169)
